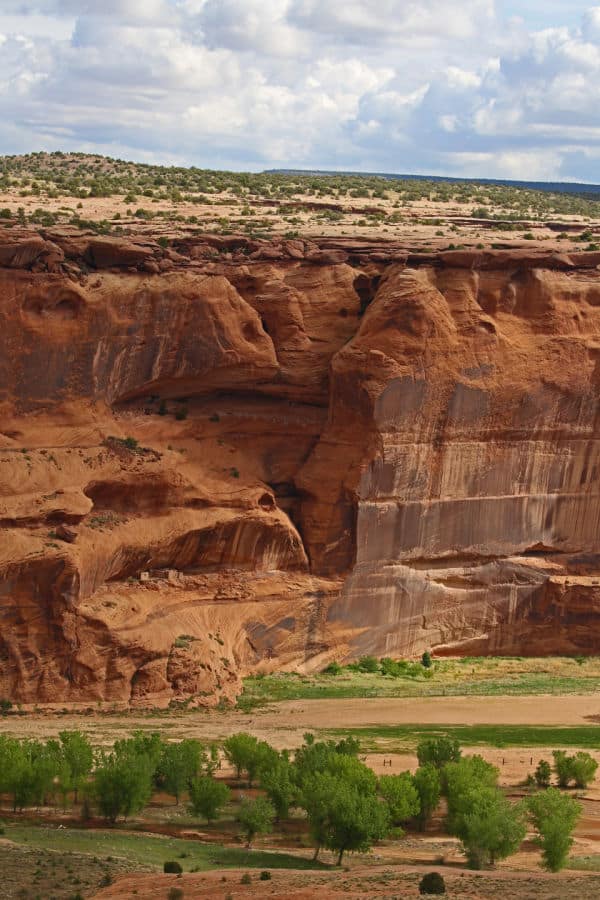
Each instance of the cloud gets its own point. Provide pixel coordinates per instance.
(399, 85)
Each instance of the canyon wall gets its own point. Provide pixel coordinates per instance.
(227, 456)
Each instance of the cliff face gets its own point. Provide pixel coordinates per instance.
(227, 455)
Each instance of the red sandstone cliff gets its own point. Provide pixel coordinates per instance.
(341, 448)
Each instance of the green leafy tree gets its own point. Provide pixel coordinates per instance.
(316, 756)
(562, 767)
(583, 769)
(122, 784)
(543, 774)
(488, 825)
(401, 797)
(32, 767)
(317, 798)
(554, 816)
(142, 744)
(179, 763)
(277, 780)
(356, 821)
(429, 788)
(255, 817)
(438, 752)
(460, 778)
(208, 797)
(342, 806)
(240, 751)
(79, 757)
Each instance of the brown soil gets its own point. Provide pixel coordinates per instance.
(359, 882)
(284, 725)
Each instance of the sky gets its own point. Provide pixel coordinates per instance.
(482, 88)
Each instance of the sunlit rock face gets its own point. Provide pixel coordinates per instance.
(288, 454)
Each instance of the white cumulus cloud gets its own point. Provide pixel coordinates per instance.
(480, 87)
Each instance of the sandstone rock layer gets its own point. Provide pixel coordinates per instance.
(228, 456)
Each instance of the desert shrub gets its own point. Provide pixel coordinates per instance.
(246, 878)
(583, 769)
(175, 893)
(333, 668)
(438, 751)
(426, 660)
(181, 413)
(265, 876)
(172, 867)
(432, 883)
(543, 774)
(580, 768)
(368, 664)
(390, 667)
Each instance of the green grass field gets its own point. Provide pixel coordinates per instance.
(485, 676)
(403, 738)
(151, 851)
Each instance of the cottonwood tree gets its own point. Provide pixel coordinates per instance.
(488, 825)
(401, 797)
(255, 817)
(428, 785)
(122, 784)
(277, 780)
(554, 816)
(208, 797)
(343, 809)
(79, 757)
(179, 763)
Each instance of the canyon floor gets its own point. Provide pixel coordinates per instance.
(54, 850)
